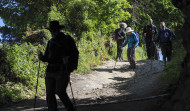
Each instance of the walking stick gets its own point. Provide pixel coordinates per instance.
(36, 87)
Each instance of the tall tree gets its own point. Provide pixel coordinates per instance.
(78, 15)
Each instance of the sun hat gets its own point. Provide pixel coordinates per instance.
(123, 25)
(55, 26)
(128, 29)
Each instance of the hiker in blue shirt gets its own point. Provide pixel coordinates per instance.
(165, 36)
(132, 41)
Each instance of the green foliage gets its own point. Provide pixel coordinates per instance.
(140, 53)
(77, 15)
(92, 51)
(89, 15)
(92, 21)
(36, 37)
(18, 73)
(23, 64)
(158, 10)
(173, 68)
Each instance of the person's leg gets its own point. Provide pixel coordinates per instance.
(133, 58)
(50, 94)
(169, 52)
(163, 48)
(129, 56)
(61, 86)
(119, 49)
(148, 50)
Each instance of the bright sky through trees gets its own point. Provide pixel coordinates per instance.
(1, 24)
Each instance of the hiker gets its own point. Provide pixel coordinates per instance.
(120, 33)
(165, 36)
(62, 56)
(150, 33)
(132, 41)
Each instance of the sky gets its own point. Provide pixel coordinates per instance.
(1, 24)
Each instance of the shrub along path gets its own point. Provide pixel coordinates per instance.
(109, 88)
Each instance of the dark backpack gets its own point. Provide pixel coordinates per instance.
(137, 35)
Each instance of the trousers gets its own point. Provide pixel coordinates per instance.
(119, 49)
(166, 51)
(131, 56)
(56, 83)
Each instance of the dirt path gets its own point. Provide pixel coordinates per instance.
(106, 85)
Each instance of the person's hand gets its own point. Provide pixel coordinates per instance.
(122, 37)
(65, 60)
(145, 34)
(40, 55)
(135, 46)
(120, 46)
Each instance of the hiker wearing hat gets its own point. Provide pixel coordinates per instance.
(165, 36)
(150, 33)
(119, 36)
(132, 41)
(62, 56)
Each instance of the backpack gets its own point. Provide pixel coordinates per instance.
(115, 37)
(137, 35)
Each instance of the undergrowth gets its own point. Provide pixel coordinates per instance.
(173, 68)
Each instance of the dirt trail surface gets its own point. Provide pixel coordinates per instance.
(108, 87)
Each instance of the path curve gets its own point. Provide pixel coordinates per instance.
(108, 85)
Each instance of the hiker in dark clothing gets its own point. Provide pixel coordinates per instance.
(120, 33)
(150, 33)
(165, 36)
(132, 41)
(62, 57)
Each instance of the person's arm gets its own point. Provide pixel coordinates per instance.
(125, 42)
(173, 34)
(144, 31)
(44, 57)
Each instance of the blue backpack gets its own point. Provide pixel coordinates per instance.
(137, 37)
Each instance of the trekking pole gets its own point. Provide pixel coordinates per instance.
(36, 87)
(71, 90)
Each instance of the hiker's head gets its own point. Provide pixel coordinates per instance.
(54, 27)
(129, 30)
(162, 25)
(123, 25)
(150, 21)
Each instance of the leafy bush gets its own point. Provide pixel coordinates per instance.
(92, 51)
(19, 68)
(173, 68)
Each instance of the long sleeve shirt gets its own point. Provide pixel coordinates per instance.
(165, 36)
(131, 40)
(120, 32)
(151, 32)
(60, 47)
